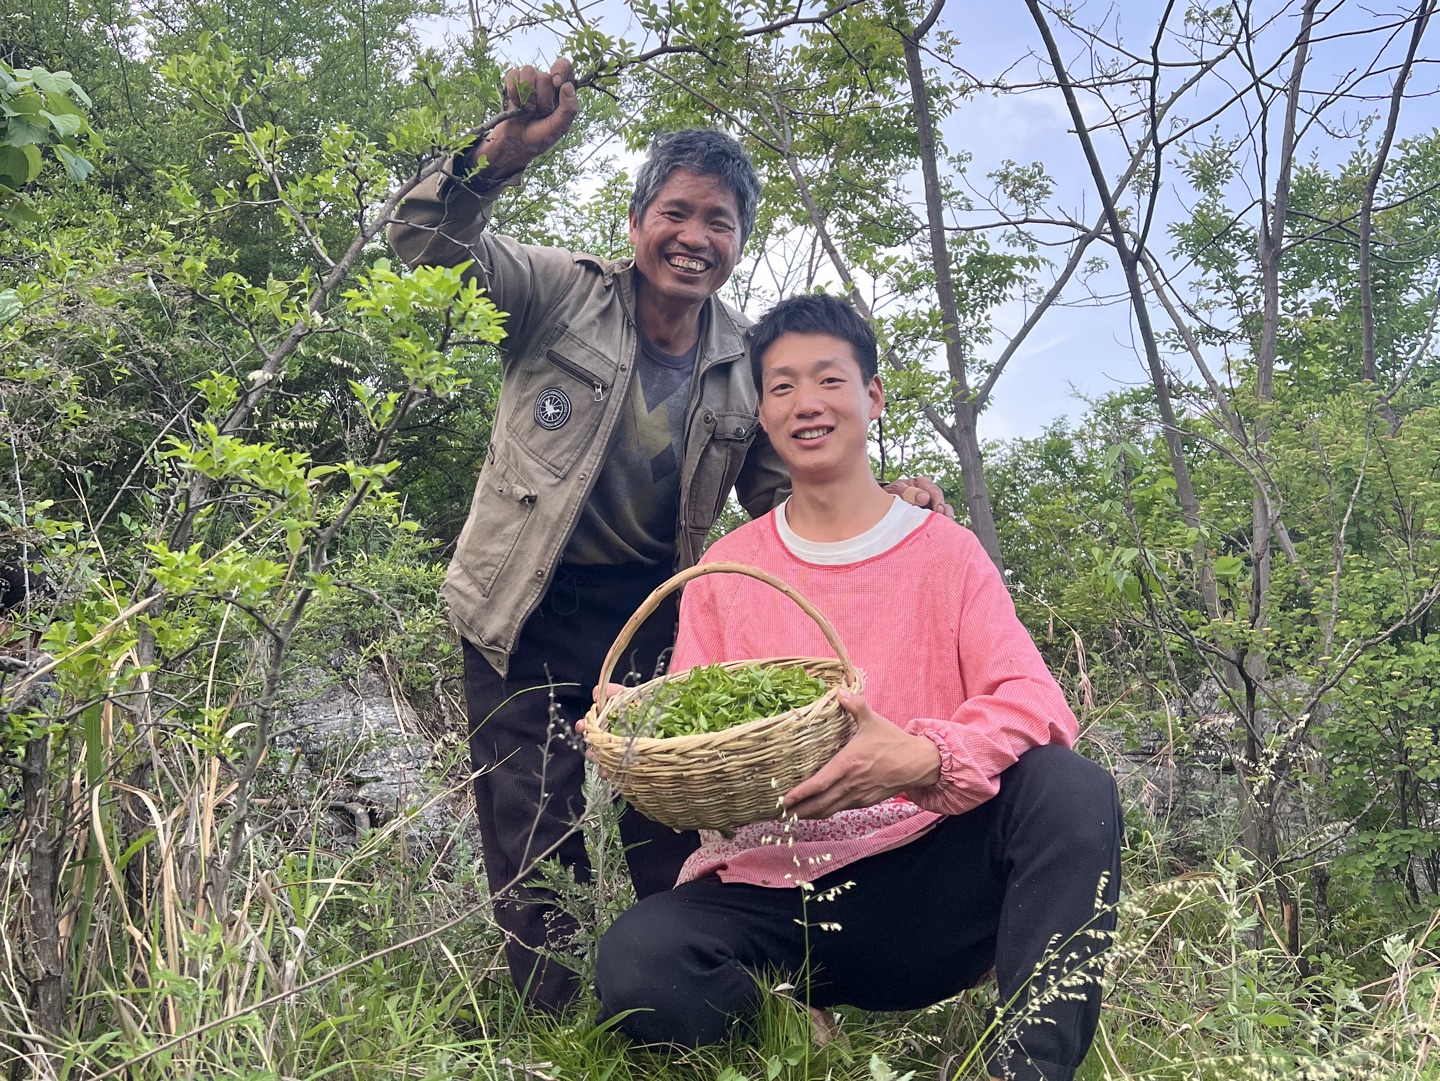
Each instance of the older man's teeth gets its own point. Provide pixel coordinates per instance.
(681, 263)
(813, 433)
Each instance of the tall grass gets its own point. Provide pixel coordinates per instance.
(352, 965)
(359, 958)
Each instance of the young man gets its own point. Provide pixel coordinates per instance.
(626, 416)
(957, 830)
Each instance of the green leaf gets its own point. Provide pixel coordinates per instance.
(22, 132)
(710, 698)
(135, 848)
(19, 213)
(53, 82)
(1228, 567)
(66, 107)
(10, 305)
(78, 167)
(66, 125)
(27, 104)
(880, 1070)
(19, 165)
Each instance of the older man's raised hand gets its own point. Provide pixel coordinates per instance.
(547, 105)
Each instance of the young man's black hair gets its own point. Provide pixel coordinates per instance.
(813, 313)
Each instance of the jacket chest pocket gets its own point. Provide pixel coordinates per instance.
(730, 436)
(561, 401)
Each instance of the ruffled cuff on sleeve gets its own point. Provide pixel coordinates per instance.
(964, 784)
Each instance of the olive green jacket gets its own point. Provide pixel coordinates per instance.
(569, 354)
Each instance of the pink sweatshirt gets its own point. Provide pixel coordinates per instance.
(930, 624)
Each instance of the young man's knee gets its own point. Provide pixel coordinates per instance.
(1068, 795)
(627, 963)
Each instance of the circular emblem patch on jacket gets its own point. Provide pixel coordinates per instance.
(552, 408)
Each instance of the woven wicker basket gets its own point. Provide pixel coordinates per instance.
(720, 780)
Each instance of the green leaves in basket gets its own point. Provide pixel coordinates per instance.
(712, 698)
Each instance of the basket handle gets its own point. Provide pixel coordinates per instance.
(652, 602)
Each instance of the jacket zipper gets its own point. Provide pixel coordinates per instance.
(579, 373)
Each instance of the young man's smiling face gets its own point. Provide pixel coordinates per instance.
(816, 406)
(687, 239)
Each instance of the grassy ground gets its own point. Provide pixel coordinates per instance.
(1198, 988)
(366, 959)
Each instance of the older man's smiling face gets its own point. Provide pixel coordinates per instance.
(688, 239)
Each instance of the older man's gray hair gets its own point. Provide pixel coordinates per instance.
(704, 151)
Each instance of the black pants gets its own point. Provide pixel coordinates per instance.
(530, 770)
(1027, 882)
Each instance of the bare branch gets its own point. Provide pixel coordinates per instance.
(1367, 202)
(1233, 423)
(1184, 488)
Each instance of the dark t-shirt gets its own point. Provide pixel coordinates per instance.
(630, 515)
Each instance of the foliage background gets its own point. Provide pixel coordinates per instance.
(238, 442)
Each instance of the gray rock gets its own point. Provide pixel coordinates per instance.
(358, 746)
(1187, 786)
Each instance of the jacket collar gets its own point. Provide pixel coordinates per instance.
(722, 334)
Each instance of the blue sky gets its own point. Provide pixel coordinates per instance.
(1089, 349)
(1093, 349)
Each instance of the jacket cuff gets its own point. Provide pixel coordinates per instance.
(457, 172)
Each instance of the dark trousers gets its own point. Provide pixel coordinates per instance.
(1026, 881)
(530, 769)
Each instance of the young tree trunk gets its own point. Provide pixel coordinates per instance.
(1260, 822)
(46, 993)
(967, 439)
(1129, 264)
(1368, 364)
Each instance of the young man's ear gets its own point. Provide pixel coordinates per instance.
(760, 406)
(877, 397)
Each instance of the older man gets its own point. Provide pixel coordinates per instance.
(627, 414)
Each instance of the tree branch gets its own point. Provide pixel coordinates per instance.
(1367, 201)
